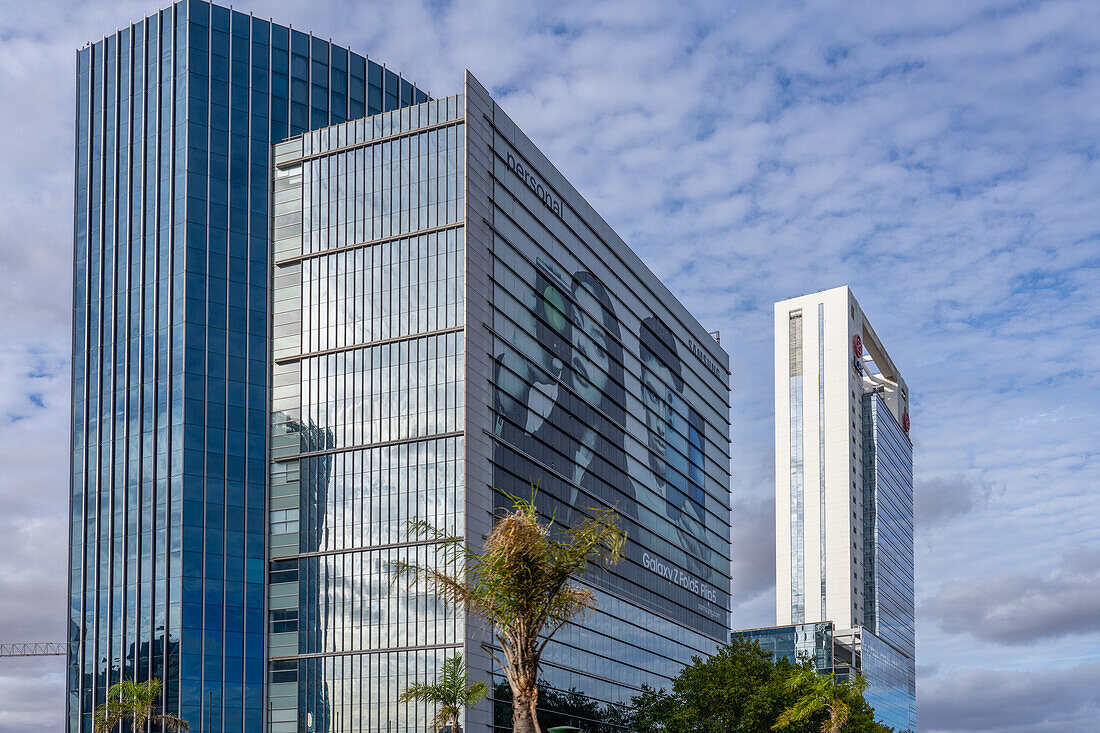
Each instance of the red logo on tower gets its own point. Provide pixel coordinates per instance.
(857, 346)
(905, 421)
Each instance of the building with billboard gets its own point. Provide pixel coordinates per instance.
(844, 497)
(175, 116)
(453, 323)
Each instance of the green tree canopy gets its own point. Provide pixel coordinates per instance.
(741, 689)
(818, 693)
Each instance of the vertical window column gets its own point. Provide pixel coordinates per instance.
(798, 580)
(821, 441)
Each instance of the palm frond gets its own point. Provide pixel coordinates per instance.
(450, 693)
(171, 722)
(445, 715)
(134, 702)
(520, 584)
(107, 721)
(420, 692)
(476, 693)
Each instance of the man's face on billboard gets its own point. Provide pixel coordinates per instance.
(657, 398)
(590, 359)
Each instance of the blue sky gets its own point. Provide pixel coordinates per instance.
(939, 157)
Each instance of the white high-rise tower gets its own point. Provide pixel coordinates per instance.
(844, 486)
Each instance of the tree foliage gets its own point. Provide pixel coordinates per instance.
(133, 702)
(450, 694)
(741, 689)
(816, 693)
(521, 584)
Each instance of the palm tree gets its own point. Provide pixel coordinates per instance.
(817, 693)
(520, 584)
(134, 701)
(450, 694)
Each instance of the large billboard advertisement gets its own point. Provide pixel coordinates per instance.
(598, 401)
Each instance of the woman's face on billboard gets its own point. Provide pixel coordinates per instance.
(590, 360)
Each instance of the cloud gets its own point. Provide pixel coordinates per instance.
(940, 157)
(34, 491)
(1021, 609)
(32, 694)
(938, 500)
(753, 549)
(987, 701)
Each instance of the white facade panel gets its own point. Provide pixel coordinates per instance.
(834, 379)
(828, 362)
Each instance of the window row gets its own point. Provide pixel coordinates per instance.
(388, 290)
(383, 190)
(358, 693)
(394, 391)
(383, 125)
(368, 497)
(352, 602)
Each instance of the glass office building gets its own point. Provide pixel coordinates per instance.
(175, 116)
(891, 680)
(795, 643)
(452, 321)
(888, 563)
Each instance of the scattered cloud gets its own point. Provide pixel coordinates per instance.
(940, 157)
(34, 493)
(1032, 701)
(1021, 609)
(753, 553)
(32, 694)
(937, 500)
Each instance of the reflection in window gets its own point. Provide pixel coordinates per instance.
(798, 580)
(284, 670)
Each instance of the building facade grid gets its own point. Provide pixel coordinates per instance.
(370, 354)
(174, 118)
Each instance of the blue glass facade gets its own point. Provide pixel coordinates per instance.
(888, 525)
(175, 116)
(888, 563)
(796, 642)
(891, 683)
